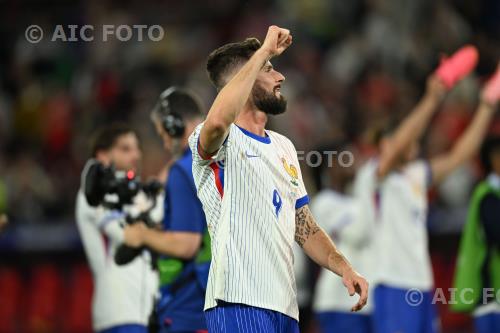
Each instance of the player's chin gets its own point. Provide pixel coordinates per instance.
(276, 111)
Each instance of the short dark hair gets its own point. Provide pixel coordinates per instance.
(105, 138)
(182, 102)
(186, 104)
(224, 59)
(490, 145)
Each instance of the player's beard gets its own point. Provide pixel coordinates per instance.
(268, 102)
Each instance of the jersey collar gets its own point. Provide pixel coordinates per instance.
(264, 139)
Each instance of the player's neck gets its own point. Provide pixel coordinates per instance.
(252, 120)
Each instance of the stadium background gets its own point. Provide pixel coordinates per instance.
(353, 66)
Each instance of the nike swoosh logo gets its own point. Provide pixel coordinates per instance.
(250, 155)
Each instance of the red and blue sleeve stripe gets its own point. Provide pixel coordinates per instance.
(219, 177)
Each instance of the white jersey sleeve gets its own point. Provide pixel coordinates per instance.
(94, 241)
(194, 145)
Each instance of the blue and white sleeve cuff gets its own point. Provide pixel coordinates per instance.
(301, 202)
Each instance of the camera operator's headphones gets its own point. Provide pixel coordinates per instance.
(170, 120)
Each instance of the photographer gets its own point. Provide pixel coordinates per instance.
(123, 296)
(184, 242)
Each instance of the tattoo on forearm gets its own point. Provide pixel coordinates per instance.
(305, 226)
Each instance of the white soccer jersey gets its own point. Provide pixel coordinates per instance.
(122, 294)
(398, 207)
(250, 190)
(340, 216)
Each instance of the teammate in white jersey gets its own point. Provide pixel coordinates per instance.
(338, 212)
(123, 295)
(249, 182)
(393, 191)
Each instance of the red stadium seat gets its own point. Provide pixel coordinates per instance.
(45, 291)
(78, 318)
(10, 299)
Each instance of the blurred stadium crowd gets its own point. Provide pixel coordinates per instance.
(354, 66)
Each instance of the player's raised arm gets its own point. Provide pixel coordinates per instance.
(468, 144)
(412, 128)
(233, 96)
(320, 248)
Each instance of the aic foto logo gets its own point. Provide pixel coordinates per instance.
(89, 33)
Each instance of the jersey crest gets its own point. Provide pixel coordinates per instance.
(292, 171)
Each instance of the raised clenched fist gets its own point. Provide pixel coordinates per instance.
(277, 40)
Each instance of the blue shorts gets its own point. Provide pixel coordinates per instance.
(393, 313)
(130, 328)
(240, 318)
(334, 322)
(487, 323)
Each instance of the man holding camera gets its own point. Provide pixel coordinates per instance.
(124, 295)
(184, 242)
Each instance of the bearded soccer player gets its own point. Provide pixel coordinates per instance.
(249, 182)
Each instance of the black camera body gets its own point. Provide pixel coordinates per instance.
(101, 181)
(112, 189)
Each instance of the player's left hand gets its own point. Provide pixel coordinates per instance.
(133, 235)
(356, 284)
